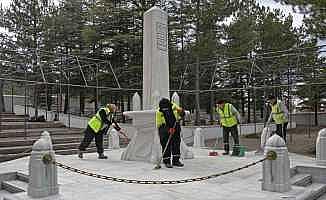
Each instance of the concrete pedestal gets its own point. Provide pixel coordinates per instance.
(199, 139)
(145, 144)
(321, 148)
(42, 175)
(276, 173)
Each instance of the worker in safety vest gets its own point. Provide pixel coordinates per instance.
(229, 118)
(167, 121)
(98, 126)
(280, 115)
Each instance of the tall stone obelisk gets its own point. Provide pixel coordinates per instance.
(145, 144)
(155, 57)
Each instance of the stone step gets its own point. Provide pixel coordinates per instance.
(9, 151)
(12, 119)
(14, 186)
(10, 142)
(301, 180)
(30, 125)
(4, 158)
(37, 132)
(313, 192)
(6, 113)
(13, 116)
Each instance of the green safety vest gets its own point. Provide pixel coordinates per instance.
(277, 114)
(96, 122)
(160, 120)
(227, 118)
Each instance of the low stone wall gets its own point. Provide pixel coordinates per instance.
(209, 132)
(308, 118)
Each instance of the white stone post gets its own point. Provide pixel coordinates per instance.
(43, 180)
(114, 142)
(276, 173)
(136, 102)
(321, 147)
(175, 98)
(199, 138)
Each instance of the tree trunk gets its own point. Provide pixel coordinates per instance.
(66, 103)
(36, 94)
(81, 102)
(95, 100)
(316, 110)
(197, 93)
(249, 107)
(2, 100)
(242, 104)
(212, 106)
(129, 102)
(122, 109)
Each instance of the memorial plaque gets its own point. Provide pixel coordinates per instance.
(161, 36)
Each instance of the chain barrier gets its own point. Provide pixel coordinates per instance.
(123, 180)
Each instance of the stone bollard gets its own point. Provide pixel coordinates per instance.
(136, 102)
(175, 98)
(43, 179)
(199, 139)
(186, 153)
(321, 147)
(114, 142)
(276, 169)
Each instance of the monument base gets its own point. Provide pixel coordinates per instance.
(145, 144)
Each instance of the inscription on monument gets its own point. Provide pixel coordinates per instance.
(161, 36)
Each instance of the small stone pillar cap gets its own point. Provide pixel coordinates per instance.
(322, 132)
(154, 8)
(43, 143)
(275, 141)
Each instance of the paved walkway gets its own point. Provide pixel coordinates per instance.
(244, 184)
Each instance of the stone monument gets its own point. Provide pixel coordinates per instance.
(145, 144)
(42, 172)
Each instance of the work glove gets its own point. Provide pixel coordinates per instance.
(125, 137)
(182, 113)
(171, 131)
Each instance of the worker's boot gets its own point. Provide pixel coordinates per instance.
(168, 165)
(226, 149)
(80, 154)
(167, 162)
(178, 164)
(236, 150)
(102, 156)
(176, 161)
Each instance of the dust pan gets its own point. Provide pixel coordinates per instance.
(213, 153)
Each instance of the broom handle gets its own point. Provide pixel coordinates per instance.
(167, 144)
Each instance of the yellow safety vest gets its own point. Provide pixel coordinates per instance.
(96, 122)
(277, 114)
(160, 120)
(227, 118)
